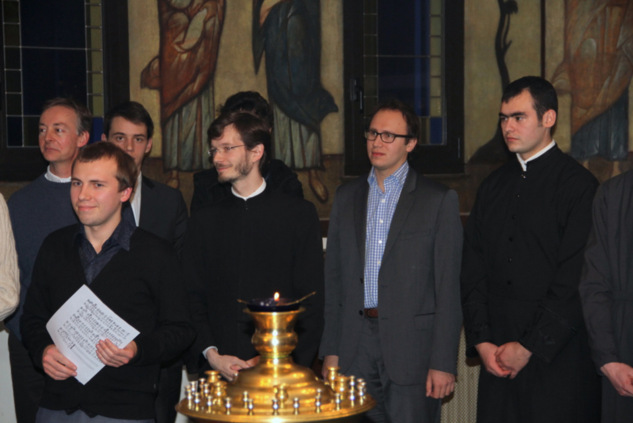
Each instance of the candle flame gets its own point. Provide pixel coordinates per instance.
(276, 296)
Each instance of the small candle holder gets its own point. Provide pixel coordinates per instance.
(341, 386)
(332, 374)
(281, 394)
(317, 401)
(196, 401)
(212, 376)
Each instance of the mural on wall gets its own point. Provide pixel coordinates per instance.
(183, 72)
(494, 150)
(596, 72)
(289, 33)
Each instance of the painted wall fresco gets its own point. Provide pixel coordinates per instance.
(182, 72)
(289, 34)
(596, 72)
(238, 38)
(584, 46)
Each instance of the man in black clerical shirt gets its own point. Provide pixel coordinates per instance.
(252, 243)
(521, 268)
(278, 176)
(135, 274)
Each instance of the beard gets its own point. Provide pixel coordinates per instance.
(240, 170)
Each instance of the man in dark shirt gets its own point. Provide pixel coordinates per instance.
(521, 268)
(158, 209)
(606, 291)
(278, 176)
(253, 243)
(132, 271)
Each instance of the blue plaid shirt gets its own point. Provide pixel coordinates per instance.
(380, 209)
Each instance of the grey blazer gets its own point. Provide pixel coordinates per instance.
(418, 284)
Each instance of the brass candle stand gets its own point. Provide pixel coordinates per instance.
(276, 390)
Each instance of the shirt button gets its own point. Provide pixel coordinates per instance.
(379, 261)
(523, 175)
(380, 241)
(382, 201)
(381, 221)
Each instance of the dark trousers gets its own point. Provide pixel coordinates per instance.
(168, 392)
(28, 381)
(394, 403)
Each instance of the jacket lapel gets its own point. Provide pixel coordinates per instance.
(360, 218)
(146, 203)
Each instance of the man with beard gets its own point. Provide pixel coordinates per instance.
(250, 244)
(278, 176)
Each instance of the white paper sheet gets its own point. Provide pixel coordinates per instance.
(79, 324)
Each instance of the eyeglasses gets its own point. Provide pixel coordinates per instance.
(225, 149)
(385, 136)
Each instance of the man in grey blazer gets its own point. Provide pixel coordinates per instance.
(392, 301)
(158, 209)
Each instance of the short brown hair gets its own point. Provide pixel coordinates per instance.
(408, 114)
(126, 172)
(252, 129)
(131, 111)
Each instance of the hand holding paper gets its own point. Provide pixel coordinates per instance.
(111, 355)
(56, 365)
(83, 326)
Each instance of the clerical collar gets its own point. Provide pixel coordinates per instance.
(255, 193)
(50, 176)
(536, 156)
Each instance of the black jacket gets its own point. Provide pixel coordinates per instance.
(144, 287)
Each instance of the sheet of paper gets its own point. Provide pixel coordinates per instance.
(79, 324)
